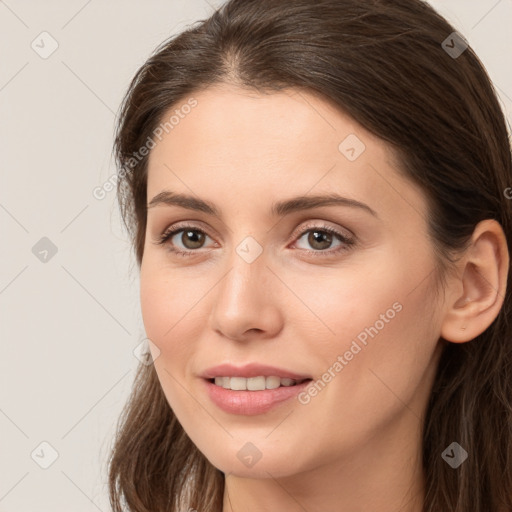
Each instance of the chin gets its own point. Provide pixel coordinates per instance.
(248, 462)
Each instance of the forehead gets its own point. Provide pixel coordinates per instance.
(244, 123)
(274, 144)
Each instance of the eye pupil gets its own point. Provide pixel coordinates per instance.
(195, 238)
(322, 237)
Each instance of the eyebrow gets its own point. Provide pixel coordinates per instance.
(281, 208)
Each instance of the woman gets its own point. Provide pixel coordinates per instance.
(317, 197)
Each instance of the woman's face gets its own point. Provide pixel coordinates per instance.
(340, 292)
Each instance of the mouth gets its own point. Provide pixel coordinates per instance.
(253, 388)
(251, 396)
(258, 383)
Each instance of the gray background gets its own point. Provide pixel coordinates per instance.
(70, 320)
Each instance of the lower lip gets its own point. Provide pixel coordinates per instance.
(250, 403)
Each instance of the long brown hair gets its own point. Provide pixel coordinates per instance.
(387, 64)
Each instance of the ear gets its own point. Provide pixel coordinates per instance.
(477, 294)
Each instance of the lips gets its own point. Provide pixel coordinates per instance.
(251, 389)
(251, 403)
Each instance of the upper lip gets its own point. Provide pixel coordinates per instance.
(250, 370)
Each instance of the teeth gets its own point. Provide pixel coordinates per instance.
(256, 383)
(238, 383)
(272, 382)
(253, 383)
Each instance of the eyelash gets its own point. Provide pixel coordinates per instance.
(348, 242)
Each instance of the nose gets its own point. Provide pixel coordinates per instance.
(246, 303)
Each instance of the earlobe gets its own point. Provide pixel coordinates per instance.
(483, 276)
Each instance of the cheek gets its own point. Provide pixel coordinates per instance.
(171, 322)
(383, 323)
(387, 361)
(339, 307)
(171, 309)
(379, 297)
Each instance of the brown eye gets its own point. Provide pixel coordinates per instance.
(323, 241)
(192, 239)
(319, 239)
(183, 240)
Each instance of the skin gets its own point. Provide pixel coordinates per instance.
(357, 444)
